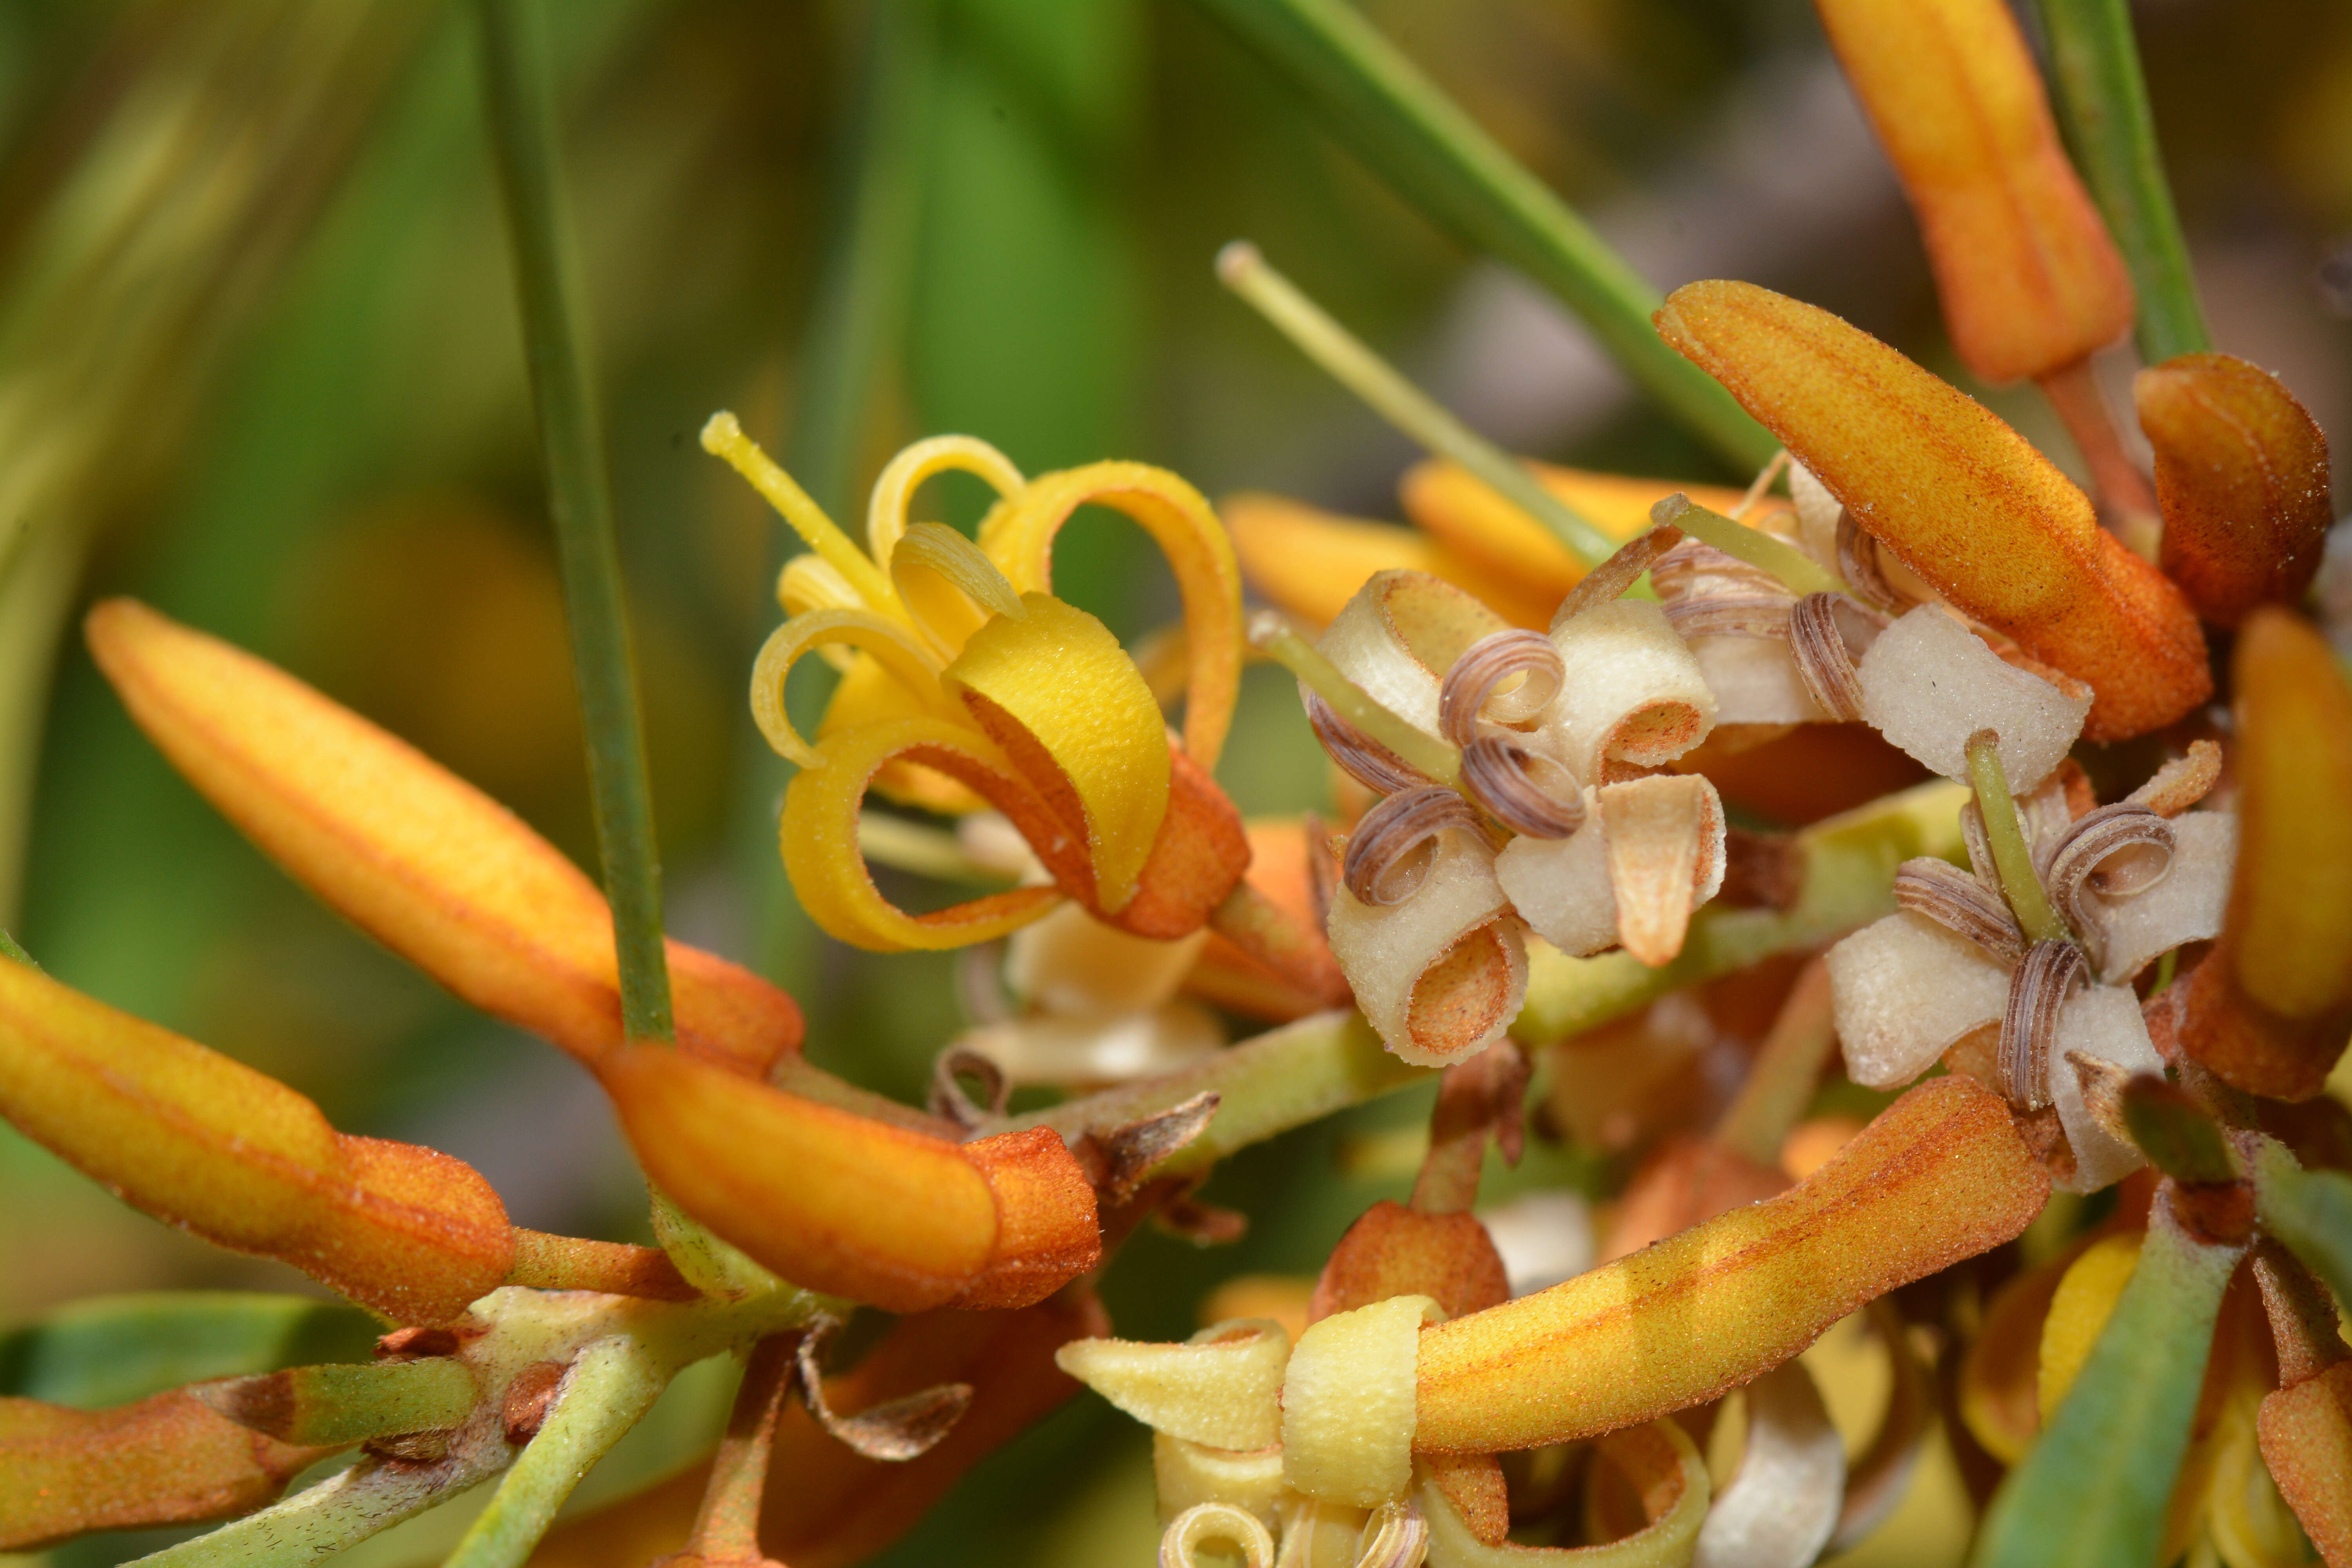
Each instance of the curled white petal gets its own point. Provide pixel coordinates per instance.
(1755, 681)
(1070, 962)
(1189, 1473)
(1630, 689)
(1560, 886)
(1215, 1522)
(1781, 1507)
(1389, 951)
(1056, 1048)
(1928, 683)
(1905, 990)
(2104, 1023)
(1400, 634)
(2186, 906)
(1817, 513)
(1665, 843)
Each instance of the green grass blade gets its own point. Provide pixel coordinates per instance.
(2102, 102)
(1410, 134)
(2092, 1491)
(519, 97)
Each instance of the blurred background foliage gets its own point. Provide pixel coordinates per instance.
(260, 367)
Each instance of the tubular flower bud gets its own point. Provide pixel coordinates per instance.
(848, 1207)
(969, 684)
(1941, 1175)
(415, 856)
(2029, 278)
(2271, 1008)
(164, 1460)
(2242, 477)
(1956, 496)
(208, 1144)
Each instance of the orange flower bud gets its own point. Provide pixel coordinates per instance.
(2271, 1008)
(836, 1202)
(1941, 1175)
(415, 856)
(2029, 279)
(2306, 1440)
(164, 1460)
(2242, 479)
(212, 1146)
(1957, 496)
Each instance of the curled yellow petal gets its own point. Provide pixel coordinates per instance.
(1939, 1176)
(1348, 1403)
(1222, 1387)
(818, 836)
(1055, 690)
(1019, 536)
(903, 475)
(202, 1141)
(415, 856)
(897, 653)
(811, 582)
(949, 587)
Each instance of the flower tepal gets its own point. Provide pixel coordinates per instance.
(967, 684)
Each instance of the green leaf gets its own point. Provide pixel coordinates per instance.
(521, 113)
(335, 1404)
(115, 1349)
(1421, 141)
(2092, 1492)
(2103, 108)
(2311, 1212)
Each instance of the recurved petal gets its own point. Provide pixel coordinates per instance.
(2029, 278)
(421, 860)
(207, 1143)
(2242, 479)
(164, 1460)
(1939, 1176)
(1955, 495)
(839, 1204)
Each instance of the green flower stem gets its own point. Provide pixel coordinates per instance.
(1421, 141)
(2010, 855)
(1272, 636)
(2310, 1211)
(2102, 106)
(1351, 362)
(1289, 1077)
(521, 105)
(2092, 1491)
(338, 1513)
(610, 1385)
(340, 1403)
(1800, 573)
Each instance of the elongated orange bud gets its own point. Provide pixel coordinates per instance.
(2029, 278)
(2270, 1009)
(212, 1146)
(2242, 477)
(1957, 495)
(164, 1460)
(1941, 1175)
(836, 1202)
(1458, 508)
(415, 856)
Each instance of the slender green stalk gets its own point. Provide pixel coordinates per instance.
(2010, 856)
(1351, 362)
(521, 112)
(1421, 141)
(1272, 636)
(2103, 108)
(1798, 570)
(2092, 1491)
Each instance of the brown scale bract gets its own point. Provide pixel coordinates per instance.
(1941, 1175)
(1957, 496)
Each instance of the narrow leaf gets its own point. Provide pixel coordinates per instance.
(334, 1405)
(2092, 1490)
(113, 1349)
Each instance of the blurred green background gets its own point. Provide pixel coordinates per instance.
(260, 367)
